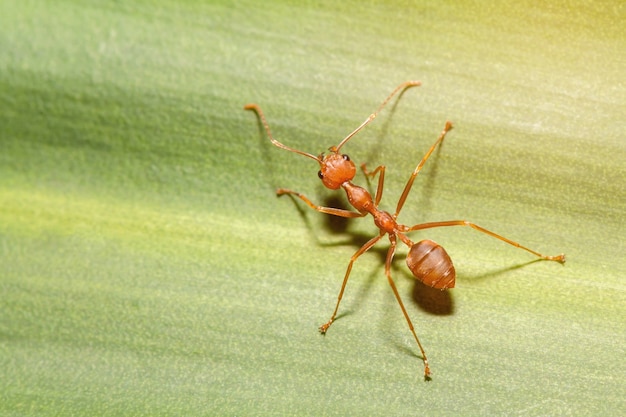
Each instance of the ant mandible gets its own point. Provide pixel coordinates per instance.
(428, 261)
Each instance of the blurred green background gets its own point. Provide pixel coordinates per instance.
(147, 268)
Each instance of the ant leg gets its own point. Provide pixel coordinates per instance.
(381, 180)
(390, 254)
(321, 209)
(323, 328)
(558, 258)
(372, 116)
(409, 184)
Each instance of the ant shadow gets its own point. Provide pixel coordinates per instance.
(428, 299)
(437, 302)
(432, 300)
(499, 271)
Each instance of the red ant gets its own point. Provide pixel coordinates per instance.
(427, 260)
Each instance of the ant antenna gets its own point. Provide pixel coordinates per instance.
(276, 143)
(372, 116)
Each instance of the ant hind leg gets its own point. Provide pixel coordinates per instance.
(390, 254)
(558, 258)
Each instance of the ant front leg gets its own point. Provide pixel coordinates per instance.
(321, 209)
(381, 180)
(419, 167)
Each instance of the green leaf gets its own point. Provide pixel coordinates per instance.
(147, 267)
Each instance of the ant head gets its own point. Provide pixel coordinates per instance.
(335, 169)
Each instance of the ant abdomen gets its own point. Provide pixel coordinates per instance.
(430, 263)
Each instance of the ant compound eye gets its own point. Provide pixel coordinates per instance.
(319, 174)
(346, 157)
